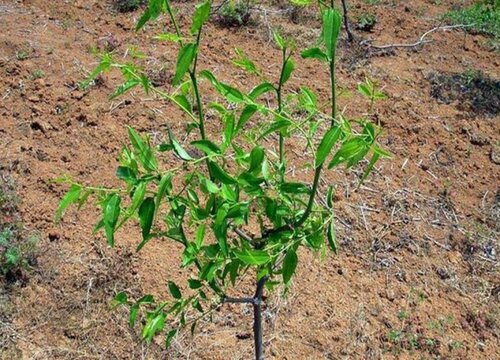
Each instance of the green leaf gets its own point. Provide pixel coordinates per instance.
(278, 39)
(71, 197)
(179, 150)
(170, 336)
(294, 188)
(194, 284)
(144, 151)
(331, 28)
(184, 60)
(143, 20)
(206, 146)
(209, 186)
(348, 150)
(287, 71)
(246, 114)
(277, 125)
(134, 310)
(364, 90)
(129, 84)
(154, 324)
(244, 62)
(200, 236)
(331, 236)
(260, 89)
(126, 174)
(314, 53)
(146, 217)
(329, 197)
(256, 159)
(253, 257)
(219, 174)
(326, 145)
(167, 37)
(369, 168)
(183, 103)
(201, 14)
(164, 187)
(289, 265)
(111, 214)
(120, 299)
(174, 290)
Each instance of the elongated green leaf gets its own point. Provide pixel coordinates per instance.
(167, 37)
(146, 217)
(348, 150)
(314, 53)
(184, 60)
(369, 168)
(326, 145)
(174, 290)
(256, 159)
(331, 28)
(111, 214)
(179, 150)
(183, 103)
(71, 197)
(289, 265)
(219, 174)
(164, 187)
(200, 236)
(144, 151)
(170, 337)
(287, 71)
(246, 114)
(331, 236)
(137, 197)
(206, 146)
(294, 188)
(253, 257)
(143, 20)
(277, 125)
(329, 197)
(278, 39)
(245, 63)
(129, 84)
(261, 89)
(201, 14)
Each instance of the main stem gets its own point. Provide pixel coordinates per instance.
(257, 319)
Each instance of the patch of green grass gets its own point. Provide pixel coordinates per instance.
(37, 74)
(234, 13)
(16, 247)
(483, 17)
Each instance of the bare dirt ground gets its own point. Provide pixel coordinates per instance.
(417, 273)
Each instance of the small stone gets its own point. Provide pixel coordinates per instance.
(495, 154)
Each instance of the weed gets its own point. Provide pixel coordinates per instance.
(16, 248)
(22, 55)
(366, 22)
(37, 74)
(483, 17)
(234, 13)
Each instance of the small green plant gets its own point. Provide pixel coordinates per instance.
(481, 17)
(372, 2)
(16, 249)
(370, 90)
(37, 74)
(230, 201)
(234, 13)
(22, 55)
(366, 22)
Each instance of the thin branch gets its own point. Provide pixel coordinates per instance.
(420, 41)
